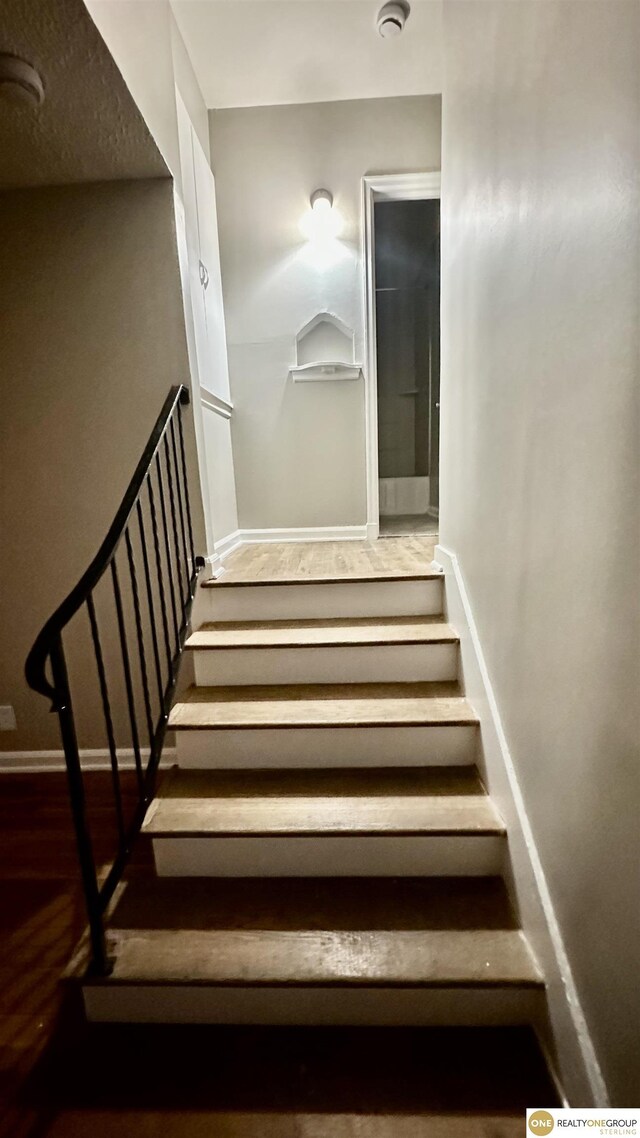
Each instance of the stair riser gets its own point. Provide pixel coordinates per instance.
(351, 856)
(456, 1007)
(381, 663)
(268, 747)
(308, 602)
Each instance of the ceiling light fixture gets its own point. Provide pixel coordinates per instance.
(392, 18)
(20, 81)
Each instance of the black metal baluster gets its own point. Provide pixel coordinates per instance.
(186, 491)
(179, 495)
(165, 526)
(163, 601)
(106, 707)
(127, 672)
(141, 648)
(176, 547)
(150, 602)
(64, 709)
(174, 517)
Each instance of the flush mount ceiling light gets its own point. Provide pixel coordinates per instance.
(321, 200)
(19, 81)
(392, 18)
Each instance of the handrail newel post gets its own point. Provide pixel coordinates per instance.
(100, 960)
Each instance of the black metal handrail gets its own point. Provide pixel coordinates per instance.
(169, 572)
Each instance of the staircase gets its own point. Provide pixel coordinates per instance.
(325, 850)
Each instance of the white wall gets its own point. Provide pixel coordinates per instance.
(539, 499)
(147, 46)
(299, 449)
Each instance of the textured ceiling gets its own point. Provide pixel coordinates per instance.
(88, 129)
(262, 52)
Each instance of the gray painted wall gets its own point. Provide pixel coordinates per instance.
(92, 340)
(540, 303)
(299, 449)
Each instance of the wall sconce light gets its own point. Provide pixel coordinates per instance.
(322, 225)
(321, 200)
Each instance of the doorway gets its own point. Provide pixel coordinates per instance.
(402, 237)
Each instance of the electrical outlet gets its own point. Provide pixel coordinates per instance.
(7, 718)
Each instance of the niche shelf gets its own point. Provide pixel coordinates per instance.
(325, 350)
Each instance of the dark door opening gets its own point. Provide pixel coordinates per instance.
(407, 284)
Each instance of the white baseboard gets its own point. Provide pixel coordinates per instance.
(227, 544)
(302, 533)
(96, 759)
(568, 1042)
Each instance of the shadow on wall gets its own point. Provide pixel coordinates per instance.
(93, 338)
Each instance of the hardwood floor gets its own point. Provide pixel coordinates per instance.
(330, 560)
(62, 1078)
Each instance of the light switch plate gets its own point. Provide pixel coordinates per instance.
(7, 718)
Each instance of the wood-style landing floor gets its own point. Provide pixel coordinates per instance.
(330, 560)
(394, 526)
(60, 1078)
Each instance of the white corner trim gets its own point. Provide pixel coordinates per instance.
(305, 533)
(370, 355)
(95, 759)
(215, 403)
(580, 1076)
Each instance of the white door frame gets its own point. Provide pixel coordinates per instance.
(381, 187)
